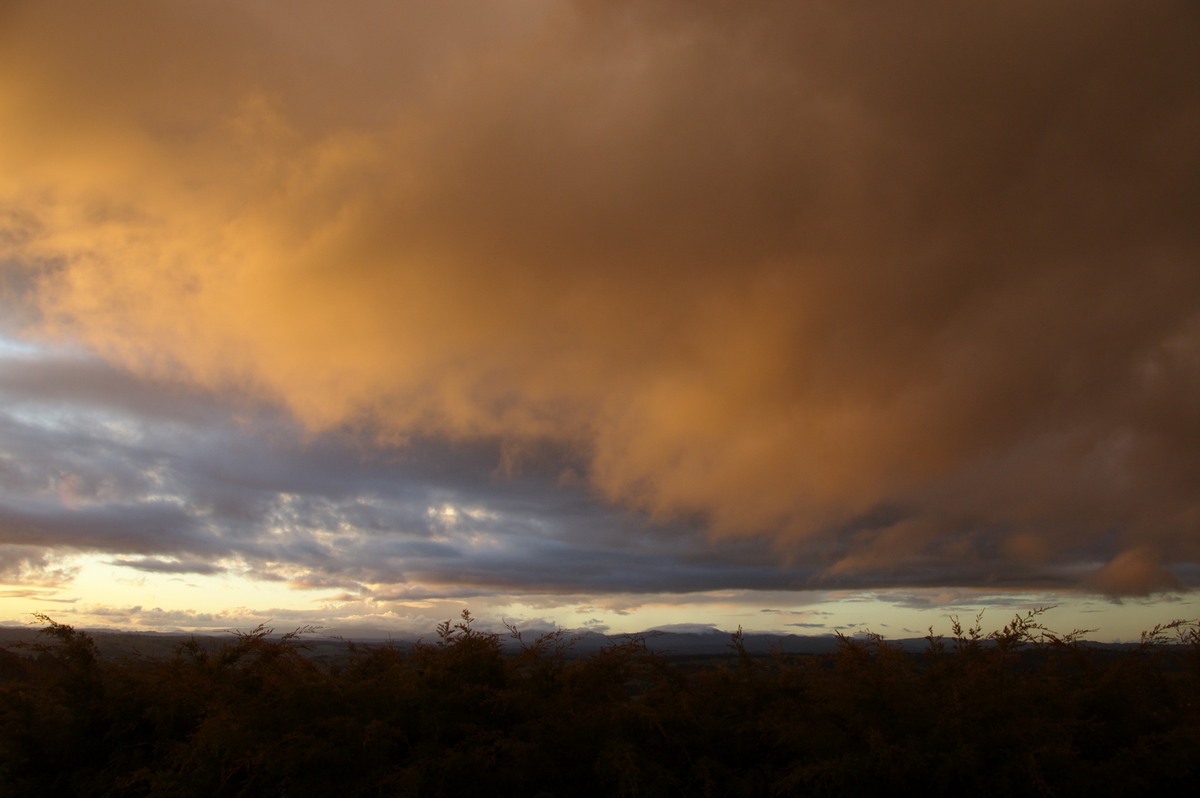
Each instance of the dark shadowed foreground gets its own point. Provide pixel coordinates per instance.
(1019, 711)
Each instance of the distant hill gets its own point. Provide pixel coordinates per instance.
(323, 645)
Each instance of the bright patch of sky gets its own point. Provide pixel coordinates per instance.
(13, 347)
(106, 593)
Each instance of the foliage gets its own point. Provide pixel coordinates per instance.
(1017, 711)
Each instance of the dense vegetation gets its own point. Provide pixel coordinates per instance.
(1020, 711)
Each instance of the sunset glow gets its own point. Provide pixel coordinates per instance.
(799, 317)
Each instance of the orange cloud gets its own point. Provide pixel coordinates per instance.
(1137, 571)
(775, 266)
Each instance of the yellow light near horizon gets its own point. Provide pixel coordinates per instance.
(105, 594)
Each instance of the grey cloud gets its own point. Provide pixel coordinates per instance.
(151, 528)
(153, 565)
(687, 628)
(33, 565)
(89, 471)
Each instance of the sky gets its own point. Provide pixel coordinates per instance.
(796, 316)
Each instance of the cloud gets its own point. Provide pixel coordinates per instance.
(167, 481)
(907, 294)
(1135, 572)
(33, 567)
(154, 565)
(687, 628)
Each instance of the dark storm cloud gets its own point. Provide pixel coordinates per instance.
(130, 467)
(909, 292)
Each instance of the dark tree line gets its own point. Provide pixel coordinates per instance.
(1019, 711)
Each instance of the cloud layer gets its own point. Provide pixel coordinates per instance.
(907, 294)
(163, 481)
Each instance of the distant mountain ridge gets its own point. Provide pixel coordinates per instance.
(331, 643)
